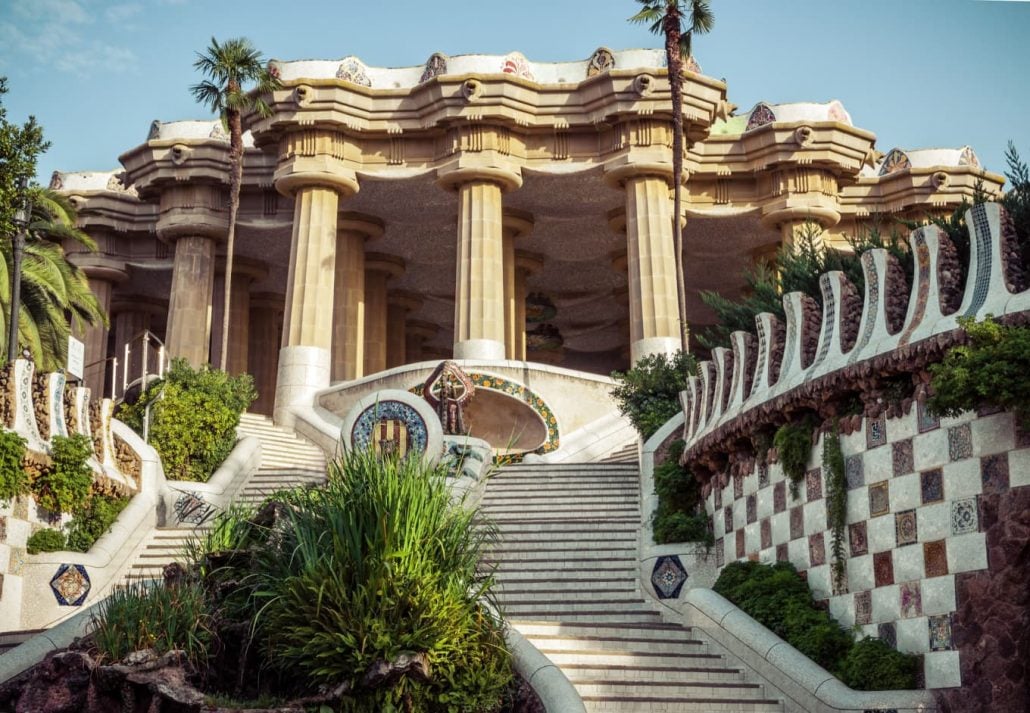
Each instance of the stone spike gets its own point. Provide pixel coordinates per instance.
(831, 287)
(874, 319)
(690, 399)
(743, 353)
(706, 373)
(766, 327)
(924, 305)
(723, 373)
(985, 291)
(792, 348)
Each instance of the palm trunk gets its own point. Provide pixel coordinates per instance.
(235, 180)
(675, 66)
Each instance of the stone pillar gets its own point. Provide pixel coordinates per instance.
(245, 272)
(102, 279)
(651, 266)
(514, 226)
(189, 307)
(399, 305)
(314, 170)
(349, 311)
(266, 318)
(525, 265)
(417, 333)
(379, 269)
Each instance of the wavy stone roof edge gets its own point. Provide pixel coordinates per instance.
(196, 129)
(82, 181)
(353, 69)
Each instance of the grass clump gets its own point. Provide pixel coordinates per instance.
(64, 485)
(13, 479)
(793, 443)
(46, 540)
(679, 515)
(777, 597)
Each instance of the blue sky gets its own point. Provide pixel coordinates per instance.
(918, 73)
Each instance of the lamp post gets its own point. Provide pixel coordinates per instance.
(21, 222)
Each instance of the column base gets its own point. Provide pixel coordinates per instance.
(479, 349)
(654, 345)
(302, 372)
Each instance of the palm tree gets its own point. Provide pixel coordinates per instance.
(230, 67)
(678, 21)
(55, 294)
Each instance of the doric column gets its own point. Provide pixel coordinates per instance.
(400, 304)
(102, 279)
(266, 318)
(514, 226)
(525, 265)
(353, 230)
(651, 265)
(417, 333)
(245, 272)
(379, 270)
(479, 331)
(313, 169)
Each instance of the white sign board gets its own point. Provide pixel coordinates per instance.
(76, 357)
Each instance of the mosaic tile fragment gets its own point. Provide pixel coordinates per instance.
(925, 421)
(960, 442)
(766, 533)
(905, 528)
(814, 484)
(940, 632)
(879, 499)
(911, 600)
(935, 558)
(816, 550)
(875, 431)
(858, 539)
(931, 486)
(902, 457)
(965, 516)
(888, 634)
(863, 608)
(751, 508)
(780, 496)
(797, 522)
(994, 473)
(853, 472)
(883, 568)
(668, 576)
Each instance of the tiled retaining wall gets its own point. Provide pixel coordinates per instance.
(914, 485)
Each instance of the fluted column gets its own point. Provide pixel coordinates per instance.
(245, 272)
(349, 310)
(189, 307)
(525, 265)
(514, 226)
(379, 270)
(102, 280)
(265, 318)
(417, 333)
(399, 305)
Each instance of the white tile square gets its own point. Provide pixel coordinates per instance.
(752, 538)
(797, 553)
(913, 635)
(930, 450)
(819, 581)
(938, 595)
(898, 429)
(751, 483)
(967, 552)
(815, 516)
(18, 532)
(5, 558)
(880, 533)
(879, 464)
(780, 524)
(993, 434)
(934, 521)
(942, 669)
(908, 563)
(962, 479)
(858, 504)
(860, 573)
(767, 556)
(886, 604)
(1019, 468)
(842, 609)
(906, 492)
(765, 502)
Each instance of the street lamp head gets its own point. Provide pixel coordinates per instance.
(23, 214)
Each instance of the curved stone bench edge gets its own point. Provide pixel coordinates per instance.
(555, 690)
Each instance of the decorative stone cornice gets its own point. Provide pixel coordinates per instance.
(317, 157)
(928, 189)
(193, 210)
(367, 225)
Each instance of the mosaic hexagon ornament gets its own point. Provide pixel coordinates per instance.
(70, 585)
(668, 576)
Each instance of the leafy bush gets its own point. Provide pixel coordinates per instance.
(649, 393)
(679, 516)
(193, 418)
(93, 520)
(836, 503)
(776, 597)
(991, 369)
(793, 442)
(45, 540)
(146, 615)
(13, 479)
(64, 486)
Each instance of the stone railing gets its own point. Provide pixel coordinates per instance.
(811, 361)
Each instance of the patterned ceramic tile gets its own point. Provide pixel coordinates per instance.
(911, 600)
(816, 549)
(780, 496)
(931, 485)
(797, 522)
(390, 425)
(888, 634)
(751, 508)
(965, 516)
(853, 472)
(935, 558)
(763, 475)
(668, 576)
(858, 538)
(738, 487)
(879, 499)
(781, 553)
(1022, 436)
(994, 473)
(960, 442)
(905, 528)
(727, 515)
(740, 544)
(883, 568)
(863, 608)
(875, 431)
(766, 533)
(720, 552)
(717, 492)
(814, 484)
(3, 529)
(70, 585)
(924, 419)
(902, 457)
(940, 632)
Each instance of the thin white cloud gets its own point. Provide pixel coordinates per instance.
(122, 12)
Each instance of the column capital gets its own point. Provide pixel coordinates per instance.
(138, 303)
(195, 210)
(528, 262)
(267, 300)
(369, 226)
(101, 267)
(618, 173)
(452, 177)
(516, 223)
(826, 216)
(317, 157)
(391, 265)
(405, 299)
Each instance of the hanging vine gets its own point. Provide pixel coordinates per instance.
(836, 503)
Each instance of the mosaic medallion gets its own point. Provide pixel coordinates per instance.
(879, 499)
(905, 528)
(965, 516)
(668, 576)
(760, 116)
(435, 66)
(935, 558)
(602, 61)
(352, 70)
(515, 63)
(70, 585)
(390, 427)
(960, 442)
(896, 160)
(191, 508)
(968, 158)
(858, 539)
(814, 484)
(940, 632)
(902, 457)
(931, 486)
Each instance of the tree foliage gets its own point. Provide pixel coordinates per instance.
(649, 393)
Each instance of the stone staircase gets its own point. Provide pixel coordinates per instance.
(286, 461)
(627, 455)
(566, 567)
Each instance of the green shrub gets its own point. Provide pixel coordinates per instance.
(836, 504)
(679, 516)
(793, 444)
(13, 479)
(146, 615)
(193, 418)
(649, 393)
(678, 526)
(93, 520)
(45, 540)
(872, 665)
(776, 597)
(991, 369)
(64, 486)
